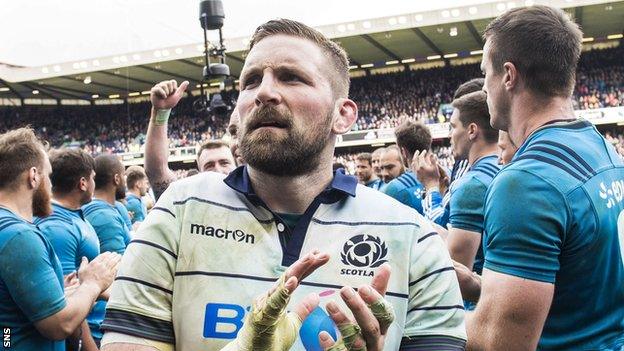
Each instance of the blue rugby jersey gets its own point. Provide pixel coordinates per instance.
(114, 236)
(376, 184)
(136, 206)
(407, 190)
(467, 200)
(71, 236)
(435, 205)
(123, 211)
(554, 215)
(31, 284)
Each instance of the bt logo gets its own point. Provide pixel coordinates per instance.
(223, 320)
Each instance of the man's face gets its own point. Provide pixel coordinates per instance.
(218, 160)
(494, 86)
(376, 163)
(508, 149)
(460, 141)
(363, 171)
(233, 125)
(143, 186)
(391, 165)
(41, 201)
(286, 106)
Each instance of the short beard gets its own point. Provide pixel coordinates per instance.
(120, 192)
(296, 154)
(41, 202)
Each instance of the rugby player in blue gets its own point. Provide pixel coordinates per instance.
(70, 235)
(553, 277)
(410, 137)
(123, 211)
(34, 306)
(72, 186)
(108, 223)
(364, 171)
(137, 188)
(436, 202)
(472, 138)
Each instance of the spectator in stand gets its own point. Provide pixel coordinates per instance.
(385, 101)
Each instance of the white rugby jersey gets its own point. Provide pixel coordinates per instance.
(210, 246)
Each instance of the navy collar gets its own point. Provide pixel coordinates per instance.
(341, 186)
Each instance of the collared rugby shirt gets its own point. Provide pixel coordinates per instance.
(210, 246)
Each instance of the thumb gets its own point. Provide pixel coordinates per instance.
(83, 265)
(182, 88)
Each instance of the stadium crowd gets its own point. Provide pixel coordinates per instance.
(384, 102)
(96, 255)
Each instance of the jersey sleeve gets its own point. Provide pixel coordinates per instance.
(467, 205)
(141, 298)
(432, 206)
(136, 207)
(435, 306)
(525, 219)
(88, 247)
(28, 270)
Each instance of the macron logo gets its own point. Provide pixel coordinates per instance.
(235, 235)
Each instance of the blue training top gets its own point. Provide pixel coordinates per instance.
(553, 215)
(31, 283)
(407, 189)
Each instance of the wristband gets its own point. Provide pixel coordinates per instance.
(161, 117)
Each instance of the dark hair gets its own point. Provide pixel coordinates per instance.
(211, 145)
(365, 156)
(542, 42)
(106, 166)
(413, 136)
(336, 54)
(337, 165)
(133, 175)
(468, 87)
(20, 150)
(473, 109)
(68, 166)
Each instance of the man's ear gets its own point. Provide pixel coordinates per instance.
(511, 78)
(473, 130)
(346, 116)
(82, 184)
(117, 178)
(33, 177)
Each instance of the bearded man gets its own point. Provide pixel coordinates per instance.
(213, 243)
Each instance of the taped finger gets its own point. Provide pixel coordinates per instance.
(384, 312)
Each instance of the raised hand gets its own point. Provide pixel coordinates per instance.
(166, 95)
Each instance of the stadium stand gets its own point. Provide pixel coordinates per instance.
(384, 101)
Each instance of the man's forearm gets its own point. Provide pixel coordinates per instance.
(157, 155)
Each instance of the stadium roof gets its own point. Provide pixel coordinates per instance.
(412, 36)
